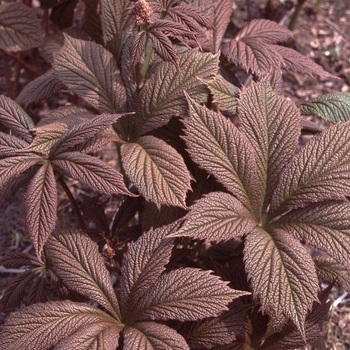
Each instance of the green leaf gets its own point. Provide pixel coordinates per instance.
(319, 171)
(157, 170)
(91, 72)
(217, 146)
(334, 107)
(18, 34)
(92, 172)
(82, 270)
(324, 225)
(224, 94)
(40, 326)
(40, 88)
(41, 207)
(15, 118)
(162, 96)
(143, 264)
(271, 123)
(218, 216)
(186, 295)
(151, 335)
(282, 274)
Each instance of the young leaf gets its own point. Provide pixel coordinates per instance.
(157, 170)
(162, 95)
(15, 118)
(40, 88)
(82, 132)
(272, 126)
(91, 172)
(334, 107)
(40, 326)
(12, 167)
(210, 136)
(82, 270)
(91, 72)
(224, 94)
(186, 295)
(319, 171)
(324, 225)
(41, 206)
(16, 34)
(218, 216)
(282, 274)
(150, 335)
(143, 264)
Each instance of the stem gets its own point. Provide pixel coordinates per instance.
(73, 202)
(24, 64)
(295, 15)
(146, 63)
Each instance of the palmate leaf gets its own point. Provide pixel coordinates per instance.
(143, 264)
(324, 225)
(150, 336)
(92, 20)
(40, 326)
(16, 34)
(41, 206)
(162, 96)
(40, 88)
(224, 94)
(218, 216)
(91, 72)
(91, 172)
(157, 170)
(332, 272)
(282, 275)
(82, 270)
(334, 107)
(9, 145)
(15, 118)
(82, 132)
(19, 259)
(217, 146)
(272, 126)
(319, 171)
(186, 295)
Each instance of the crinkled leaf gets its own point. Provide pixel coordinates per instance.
(157, 170)
(186, 295)
(162, 95)
(40, 88)
(41, 206)
(40, 326)
(91, 72)
(334, 107)
(82, 270)
(143, 264)
(13, 117)
(321, 170)
(52, 44)
(91, 172)
(92, 20)
(163, 47)
(19, 259)
(333, 272)
(151, 335)
(296, 62)
(217, 146)
(14, 291)
(272, 126)
(9, 145)
(18, 34)
(95, 336)
(324, 225)
(282, 274)
(218, 216)
(224, 93)
(63, 13)
(37, 292)
(82, 132)
(12, 167)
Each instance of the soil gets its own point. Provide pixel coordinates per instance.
(325, 38)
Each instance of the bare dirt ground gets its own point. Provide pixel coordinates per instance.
(325, 38)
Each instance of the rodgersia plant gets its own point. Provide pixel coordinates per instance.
(224, 224)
